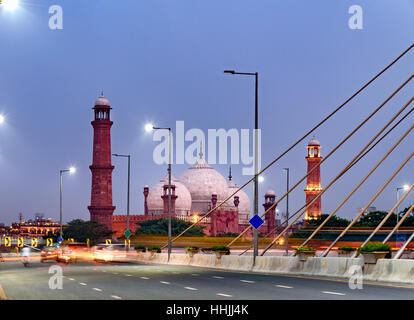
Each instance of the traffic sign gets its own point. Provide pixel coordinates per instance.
(20, 242)
(7, 241)
(49, 242)
(127, 233)
(108, 241)
(127, 243)
(256, 221)
(88, 241)
(34, 242)
(60, 239)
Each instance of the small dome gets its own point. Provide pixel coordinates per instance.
(270, 192)
(314, 142)
(182, 203)
(102, 101)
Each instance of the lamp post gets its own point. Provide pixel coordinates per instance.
(287, 209)
(129, 177)
(256, 152)
(150, 127)
(71, 170)
(405, 188)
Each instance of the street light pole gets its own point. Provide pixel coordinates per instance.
(71, 170)
(256, 153)
(128, 188)
(405, 187)
(287, 209)
(169, 188)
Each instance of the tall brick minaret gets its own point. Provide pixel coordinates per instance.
(313, 185)
(101, 208)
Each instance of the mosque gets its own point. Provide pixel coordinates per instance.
(193, 193)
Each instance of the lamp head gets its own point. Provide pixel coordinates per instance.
(149, 127)
(230, 71)
(406, 187)
(72, 170)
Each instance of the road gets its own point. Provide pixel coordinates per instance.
(126, 281)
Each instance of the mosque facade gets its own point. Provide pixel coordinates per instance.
(194, 193)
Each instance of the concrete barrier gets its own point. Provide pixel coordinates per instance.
(386, 270)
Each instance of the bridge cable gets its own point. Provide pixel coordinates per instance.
(298, 141)
(343, 170)
(329, 154)
(275, 230)
(324, 254)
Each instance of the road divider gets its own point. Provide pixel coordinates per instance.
(386, 270)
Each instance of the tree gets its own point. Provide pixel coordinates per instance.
(160, 227)
(373, 219)
(334, 221)
(81, 230)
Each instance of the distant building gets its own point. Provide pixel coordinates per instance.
(39, 226)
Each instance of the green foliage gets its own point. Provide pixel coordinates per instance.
(220, 248)
(334, 221)
(373, 219)
(349, 249)
(140, 247)
(304, 249)
(81, 230)
(154, 248)
(160, 227)
(371, 247)
(192, 249)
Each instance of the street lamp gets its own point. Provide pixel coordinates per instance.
(127, 231)
(150, 127)
(287, 209)
(2, 118)
(256, 152)
(71, 170)
(10, 5)
(405, 188)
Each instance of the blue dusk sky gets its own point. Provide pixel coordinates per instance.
(162, 61)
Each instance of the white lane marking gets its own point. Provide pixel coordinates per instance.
(247, 281)
(195, 274)
(145, 278)
(189, 288)
(71, 279)
(82, 283)
(176, 272)
(103, 271)
(286, 287)
(97, 289)
(224, 295)
(114, 272)
(335, 293)
(218, 277)
(128, 275)
(164, 282)
(116, 297)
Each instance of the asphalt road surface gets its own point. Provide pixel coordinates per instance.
(126, 281)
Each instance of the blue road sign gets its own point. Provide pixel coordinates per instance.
(60, 239)
(256, 221)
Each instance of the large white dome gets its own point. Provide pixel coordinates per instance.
(202, 181)
(182, 203)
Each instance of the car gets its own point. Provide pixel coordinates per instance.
(48, 253)
(109, 253)
(64, 254)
